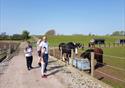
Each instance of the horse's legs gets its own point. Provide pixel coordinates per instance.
(63, 58)
(101, 59)
(67, 58)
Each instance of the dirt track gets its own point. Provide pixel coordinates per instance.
(17, 76)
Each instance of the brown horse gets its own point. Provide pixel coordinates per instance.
(98, 55)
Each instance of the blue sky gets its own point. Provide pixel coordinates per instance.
(65, 16)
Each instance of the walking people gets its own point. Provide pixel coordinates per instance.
(28, 54)
(39, 51)
(44, 56)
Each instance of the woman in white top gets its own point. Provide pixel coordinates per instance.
(39, 52)
(44, 56)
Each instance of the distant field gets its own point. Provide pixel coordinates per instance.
(55, 40)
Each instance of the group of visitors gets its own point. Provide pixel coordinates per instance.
(42, 50)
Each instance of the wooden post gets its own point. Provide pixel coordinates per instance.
(9, 50)
(99, 45)
(109, 45)
(113, 44)
(5, 47)
(53, 51)
(105, 45)
(92, 63)
(117, 44)
(122, 44)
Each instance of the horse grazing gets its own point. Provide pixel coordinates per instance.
(66, 48)
(98, 55)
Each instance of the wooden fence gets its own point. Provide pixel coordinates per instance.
(6, 49)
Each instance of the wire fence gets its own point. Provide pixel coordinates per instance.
(56, 53)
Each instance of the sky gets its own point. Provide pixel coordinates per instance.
(67, 17)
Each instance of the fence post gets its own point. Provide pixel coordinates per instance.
(99, 45)
(113, 44)
(117, 44)
(5, 47)
(109, 45)
(122, 44)
(92, 64)
(9, 50)
(105, 45)
(53, 51)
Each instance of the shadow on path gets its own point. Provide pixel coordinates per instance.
(55, 67)
(53, 73)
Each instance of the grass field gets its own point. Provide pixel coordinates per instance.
(55, 40)
(116, 58)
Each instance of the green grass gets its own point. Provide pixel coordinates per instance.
(117, 56)
(114, 84)
(55, 40)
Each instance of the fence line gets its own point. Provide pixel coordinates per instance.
(110, 56)
(115, 67)
(111, 65)
(111, 76)
(106, 55)
(115, 56)
(101, 73)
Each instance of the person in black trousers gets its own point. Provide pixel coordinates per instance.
(28, 55)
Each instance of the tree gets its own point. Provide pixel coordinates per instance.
(25, 34)
(4, 36)
(118, 33)
(16, 37)
(50, 32)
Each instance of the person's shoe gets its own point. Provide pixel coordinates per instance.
(39, 64)
(45, 70)
(44, 76)
(28, 68)
(31, 67)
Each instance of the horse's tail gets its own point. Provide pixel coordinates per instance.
(59, 47)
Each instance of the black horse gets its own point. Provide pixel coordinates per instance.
(66, 48)
(98, 55)
(79, 45)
